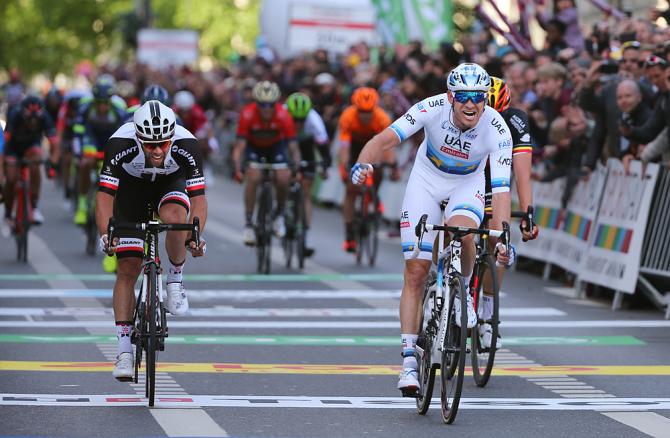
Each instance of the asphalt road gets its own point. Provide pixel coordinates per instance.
(306, 354)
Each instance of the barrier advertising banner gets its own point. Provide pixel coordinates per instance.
(576, 222)
(161, 48)
(613, 258)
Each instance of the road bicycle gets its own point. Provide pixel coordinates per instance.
(22, 209)
(265, 214)
(442, 342)
(149, 320)
(90, 227)
(366, 222)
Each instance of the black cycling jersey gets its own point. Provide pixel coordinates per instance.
(125, 163)
(21, 135)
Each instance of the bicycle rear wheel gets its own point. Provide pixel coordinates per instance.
(453, 352)
(361, 226)
(483, 358)
(300, 230)
(264, 231)
(152, 338)
(22, 224)
(91, 227)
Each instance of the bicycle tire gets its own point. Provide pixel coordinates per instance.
(453, 352)
(425, 341)
(485, 268)
(137, 335)
(22, 223)
(300, 229)
(291, 227)
(373, 226)
(268, 231)
(360, 222)
(260, 232)
(152, 340)
(91, 226)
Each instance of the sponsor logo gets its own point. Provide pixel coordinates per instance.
(455, 143)
(470, 135)
(123, 153)
(409, 118)
(505, 144)
(498, 125)
(517, 123)
(404, 216)
(184, 153)
(421, 108)
(436, 102)
(404, 224)
(479, 196)
(454, 153)
(525, 138)
(504, 161)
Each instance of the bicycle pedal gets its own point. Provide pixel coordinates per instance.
(410, 392)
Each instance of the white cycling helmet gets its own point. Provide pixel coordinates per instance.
(184, 100)
(324, 78)
(154, 122)
(468, 77)
(266, 92)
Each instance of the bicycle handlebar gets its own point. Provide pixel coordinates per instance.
(458, 232)
(158, 227)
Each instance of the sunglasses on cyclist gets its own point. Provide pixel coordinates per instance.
(265, 105)
(475, 96)
(151, 145)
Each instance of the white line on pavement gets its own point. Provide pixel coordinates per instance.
(555, 404)
(650, 423)
(237, 312)
(187, 422)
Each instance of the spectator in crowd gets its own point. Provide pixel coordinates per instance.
(553, 96)
(566, 12)
(523, 95)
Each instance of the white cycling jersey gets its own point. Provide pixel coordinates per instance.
(315, 128)
(450, 165)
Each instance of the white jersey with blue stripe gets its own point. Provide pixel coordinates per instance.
(448, 152)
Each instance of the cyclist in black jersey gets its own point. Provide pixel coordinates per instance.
(149, 161)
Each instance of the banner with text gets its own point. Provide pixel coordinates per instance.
(613, 258)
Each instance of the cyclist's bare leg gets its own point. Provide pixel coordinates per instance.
(174, 240)
(34, 155)
(127, 270)
(282, 178)
(467, 243)
(307, 196)
(85, 166)
(11, 176)
(416, 272)
(348, 208)
(253, 177)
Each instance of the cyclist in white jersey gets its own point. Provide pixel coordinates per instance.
(460, 133)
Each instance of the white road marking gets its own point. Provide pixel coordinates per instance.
(274, 402)
(210, 294)
(238, 312)
(651, 423)
(187, 422)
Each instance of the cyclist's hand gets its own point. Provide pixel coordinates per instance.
(502, 257)
(324, 174)
(525, 234)
(238, 176)
(198, 251)
(105, 247)
(50, 169)
(360, 172)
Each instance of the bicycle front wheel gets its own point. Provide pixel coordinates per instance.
(300, 230)
(152, 337)
(486, 279)
(425, 342)
(452, 367)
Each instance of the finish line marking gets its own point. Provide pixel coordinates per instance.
(326, 402)
(242, 295)
(340, 324)
(345, 341)
(215, 277)
(247, 312)
(338, 369)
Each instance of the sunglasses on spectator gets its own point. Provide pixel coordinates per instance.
(474, 96)
(151, 145)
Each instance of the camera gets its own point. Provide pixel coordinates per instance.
(609, 68)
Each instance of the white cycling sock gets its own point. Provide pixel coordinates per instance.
(175, 271)
(486, 307)
(123, 330)
(408, 349)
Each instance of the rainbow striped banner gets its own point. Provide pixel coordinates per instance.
(547, 217)
(578, 226)
(613, 238)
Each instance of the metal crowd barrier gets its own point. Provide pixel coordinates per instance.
(656, 248)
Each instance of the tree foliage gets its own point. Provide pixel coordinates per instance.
(52, 36)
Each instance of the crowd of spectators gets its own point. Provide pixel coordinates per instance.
(590, 94)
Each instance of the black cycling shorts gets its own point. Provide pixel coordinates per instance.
(18, 150)
(272, 155)
(131, 205)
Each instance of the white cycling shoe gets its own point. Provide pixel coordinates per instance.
(472, 315)
(124, 369)
(486, 334)
(177, 302)
(249, 236)
(38, 217)
(279, 227)
(408, 382)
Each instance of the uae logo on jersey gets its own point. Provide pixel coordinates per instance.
(421, 108)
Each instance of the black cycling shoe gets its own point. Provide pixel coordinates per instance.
(309, 252)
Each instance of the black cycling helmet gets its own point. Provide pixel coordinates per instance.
(54, 95)
(32, 106)
(156, 92)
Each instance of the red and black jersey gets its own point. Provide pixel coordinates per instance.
(261, 134)
(125, 161)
